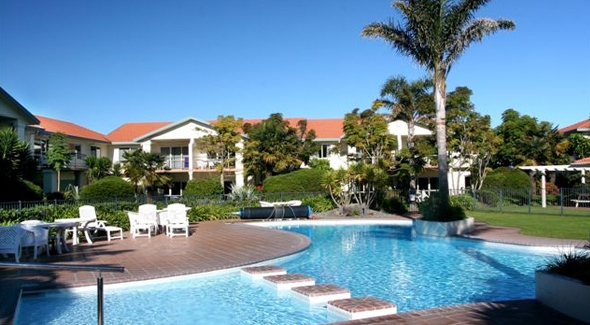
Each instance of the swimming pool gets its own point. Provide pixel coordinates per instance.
(384, 261)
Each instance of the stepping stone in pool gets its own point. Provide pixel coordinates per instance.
(258, 272)
(362, 307)
(288, 281)
(320, 293)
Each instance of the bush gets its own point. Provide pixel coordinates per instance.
(394, 204)
(511, 178)
(20, 191)
(489, 198)
(465, 201)
(574, 264)
(435, 209)
(107, 188)
(203, 187)
(302, 180)
(319, 203)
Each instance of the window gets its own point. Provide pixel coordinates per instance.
(324, 151)
(94, 151)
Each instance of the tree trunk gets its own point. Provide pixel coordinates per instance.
(58, 179)
(440, 98)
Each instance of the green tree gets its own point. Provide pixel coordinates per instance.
(368, 133)
(58, 154)
(435, 33)
(224, 144)
(142, 169)
(471, 139)
(98, 167)
(16, 161)
(411, 103)
(579, 146)
(274, 147)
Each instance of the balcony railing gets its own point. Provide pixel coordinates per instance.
(182, 163)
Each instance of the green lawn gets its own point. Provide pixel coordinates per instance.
(543, 225)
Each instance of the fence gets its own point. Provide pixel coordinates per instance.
(565, 201)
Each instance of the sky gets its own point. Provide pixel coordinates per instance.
(104, 63)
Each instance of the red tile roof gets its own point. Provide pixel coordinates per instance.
(68, 128)
(582, 161)
(324, 128)
(129, 131)
(580, 125)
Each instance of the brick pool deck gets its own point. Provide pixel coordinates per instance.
(225, 244)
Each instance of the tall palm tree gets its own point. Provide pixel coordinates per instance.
(435, 33)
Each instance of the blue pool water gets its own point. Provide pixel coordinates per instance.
(383, 261)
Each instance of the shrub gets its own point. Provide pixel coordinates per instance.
(20, 190)
(488, 197)
(319, 203)
(465, 201)
(574, 264)
(302, 180)
(394, 204)
(435, 209)
(203, 187)
(244, 193)
(512, 178)
(106, 188)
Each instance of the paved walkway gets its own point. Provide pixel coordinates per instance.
(219, 245)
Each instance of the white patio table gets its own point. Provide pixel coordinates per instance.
(60, 238)
(77, 223)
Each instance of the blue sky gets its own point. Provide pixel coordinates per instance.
(104, 63)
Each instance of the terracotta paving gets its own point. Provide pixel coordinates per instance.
(219, 245)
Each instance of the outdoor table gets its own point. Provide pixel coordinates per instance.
(76, 224)
(60, 238)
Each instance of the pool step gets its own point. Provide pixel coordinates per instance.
(320, 293)
(258, 272)
(362, 307)
(288, 281)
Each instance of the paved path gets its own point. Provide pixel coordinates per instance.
(219, 245)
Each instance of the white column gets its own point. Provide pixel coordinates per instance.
(583, 176)
(399, 142)
(239, 168)
(543, 190)
(191, 159)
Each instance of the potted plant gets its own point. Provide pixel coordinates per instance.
(564, 283)
(442, 219)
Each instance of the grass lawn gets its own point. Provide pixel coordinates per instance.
(542, 225)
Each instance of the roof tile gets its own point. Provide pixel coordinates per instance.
(68, 128)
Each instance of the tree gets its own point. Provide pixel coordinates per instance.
(579, 146)
(224, 144)
(411, 103)
(58, 154)
(368, 133)
(434, 34)
(274, 147)
(471, 139)
(16, 161)
(98, 167)
(141, 168)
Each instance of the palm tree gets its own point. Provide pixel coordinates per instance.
(409, 102)
(141, 168)
(98, 167)
(435, 33)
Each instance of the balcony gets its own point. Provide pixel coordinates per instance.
(182, 163)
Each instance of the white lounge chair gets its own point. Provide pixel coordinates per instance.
(10, 240)
(176, 219)
(89, 222)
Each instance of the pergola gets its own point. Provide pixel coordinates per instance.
(575, 167)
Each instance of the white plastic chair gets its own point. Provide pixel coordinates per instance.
(176, 220)
(137, 226)
(10, 240)
(90, 222)
(149, 213)
(35, 236)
